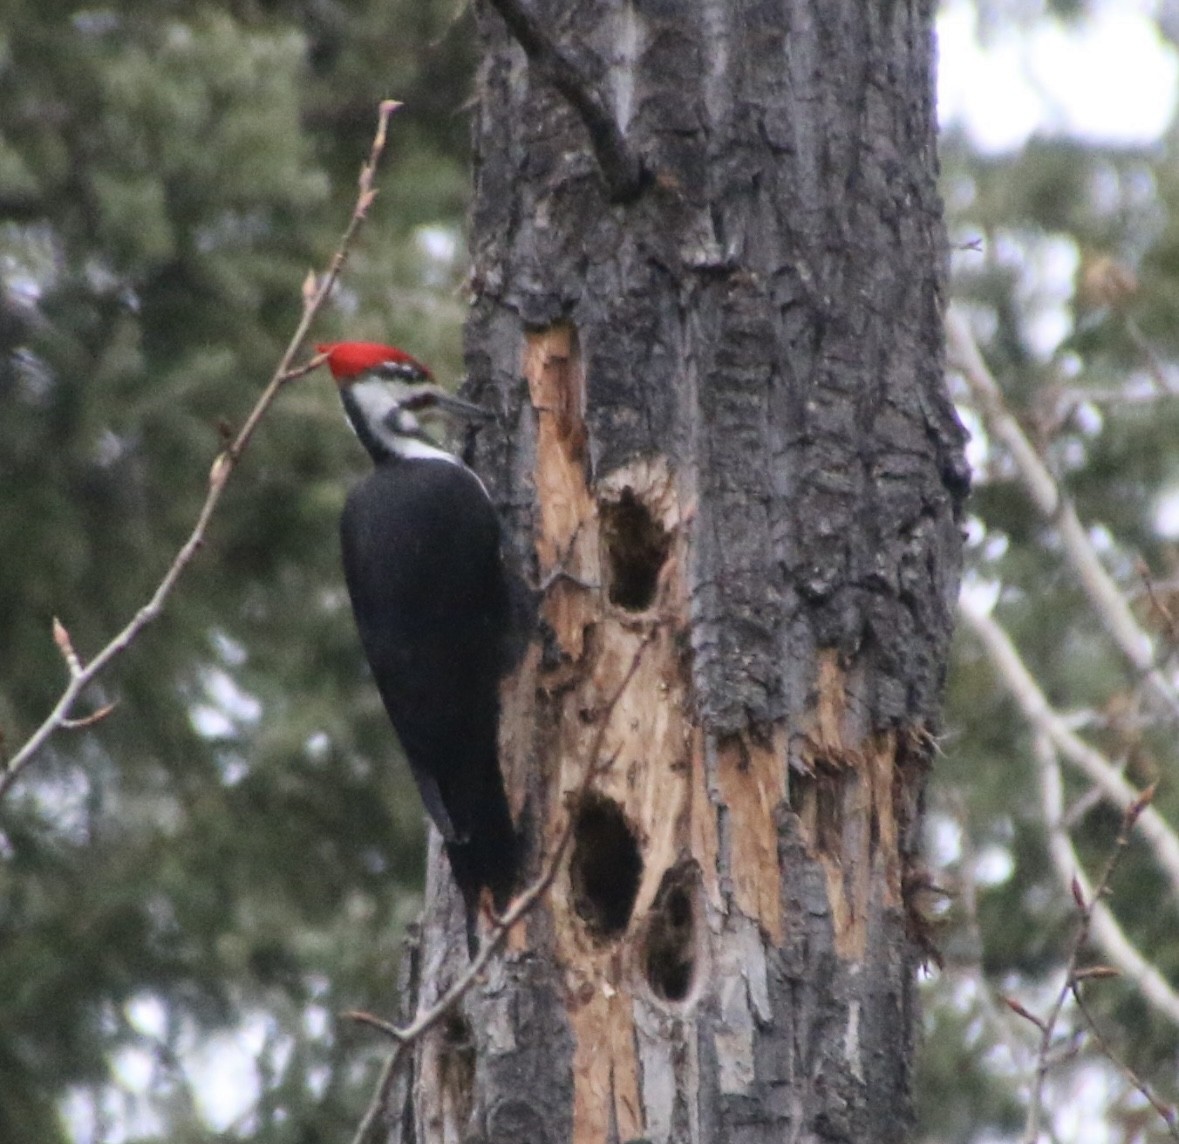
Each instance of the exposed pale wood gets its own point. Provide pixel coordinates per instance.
(606, 1066)
(567, 536)
(649, 741)
(704, 844)
(848, 806)
(751, 780)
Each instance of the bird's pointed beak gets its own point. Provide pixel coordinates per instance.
(460, 408)
(434, 399)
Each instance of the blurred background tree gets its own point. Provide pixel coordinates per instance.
(1061, 202)
(192, 890)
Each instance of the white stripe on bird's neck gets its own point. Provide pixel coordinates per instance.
(381, 404)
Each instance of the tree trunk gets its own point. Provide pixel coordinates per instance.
(721, 408)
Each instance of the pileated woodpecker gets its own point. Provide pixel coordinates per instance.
(438, 611)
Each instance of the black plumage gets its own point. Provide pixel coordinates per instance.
(441, 616)
(434, 607)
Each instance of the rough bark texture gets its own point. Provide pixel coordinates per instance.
(721, 407)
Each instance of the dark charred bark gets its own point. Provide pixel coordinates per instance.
(721, 406)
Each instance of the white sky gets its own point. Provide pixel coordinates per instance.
(1108, 78)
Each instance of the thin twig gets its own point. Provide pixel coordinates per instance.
(622, 170)
(89, 720)
(1107, 934)
(1167, 1112)
(406, 1035)
(1088, 907)
(380, 1094)
(1157, 604)
(315, 293)
(1107, 599)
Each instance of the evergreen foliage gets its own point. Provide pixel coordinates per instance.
(234, 850)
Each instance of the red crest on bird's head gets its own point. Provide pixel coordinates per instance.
(349, 361)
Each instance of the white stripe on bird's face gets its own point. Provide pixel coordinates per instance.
(385, 404)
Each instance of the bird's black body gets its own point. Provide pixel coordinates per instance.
(437, 616)
(441, 617)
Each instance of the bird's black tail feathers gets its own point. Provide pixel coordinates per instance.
(489, 856)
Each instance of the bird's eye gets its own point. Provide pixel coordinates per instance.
(420, 399)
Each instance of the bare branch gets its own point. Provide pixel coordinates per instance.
(65, 645)
(1106, 597)
(1096, 973)
(223, 465)
(1157, 604)
(1021, 1010)
(1099, 919)
(1055, 738)
(622, 170)
(1167, 1112)
(407, 1035)
(1094, 919)
(89, 720)
(1039, 713)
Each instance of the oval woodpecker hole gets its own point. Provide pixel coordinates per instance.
(455, 1067)
(605, 867)
(669, 949)
(635, 547)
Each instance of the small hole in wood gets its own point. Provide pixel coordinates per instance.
(635, 547)
(457, 1032)
(669, 944)
(817, 798)
(829, 789)
(605, 867)
(456, 1067)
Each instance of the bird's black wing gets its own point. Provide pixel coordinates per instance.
(434, 609)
